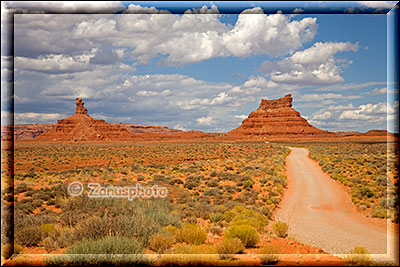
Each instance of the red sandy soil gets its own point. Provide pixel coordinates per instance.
(319, 212)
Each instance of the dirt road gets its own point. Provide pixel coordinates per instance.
(320, 213)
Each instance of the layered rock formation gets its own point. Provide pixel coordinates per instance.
(23, 131)
(277, 118)
(147, 129)
(82, 127)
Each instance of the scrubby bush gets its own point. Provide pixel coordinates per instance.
(268, 254)
(229, 246)
(108, 251)
(246, 233)
(243, 216)
(192, 234)
(216, 217)
(171, 229)
(212, 183)
(28, 236)
(161, 242)
(378, 212)
(194, 249)
(281, 229)
(359, 257)
(106, 245)
(47, 228)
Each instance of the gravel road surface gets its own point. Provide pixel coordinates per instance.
(320, 213)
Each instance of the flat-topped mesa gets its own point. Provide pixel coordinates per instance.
(276, 118)
(283, 102)
(80, 107)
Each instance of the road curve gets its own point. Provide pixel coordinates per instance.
(320, 213)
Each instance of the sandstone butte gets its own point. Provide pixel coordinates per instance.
(82, 127)
(277, 118)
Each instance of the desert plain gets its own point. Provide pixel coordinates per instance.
(276, 190)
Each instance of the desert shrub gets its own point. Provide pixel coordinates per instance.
(106, 245)
(216, 217)
(267, 254)
(202, 255)
(280, 180)
(47, 228)
(387, 202)
(6, 250)
(28, 236)
(243, 216)
(170, 229)
(229, 246)
(109, 251)
(190, 185)
(246, 233)
(50, 244)
(61, 237)
(161, 242)
(381, 180)
(378, 212)
(359, 257)
(215, 230)
(96, 227)
(212, 183)
(248, 183)
(211, 192)
(281, 229)
(137, 219)
(365, 191)
(192, 234)
(194, 249)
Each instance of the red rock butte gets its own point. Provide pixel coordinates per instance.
(277, 118)
(81, 127)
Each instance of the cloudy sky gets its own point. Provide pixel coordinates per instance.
(202, 69)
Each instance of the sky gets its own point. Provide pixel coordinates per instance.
(202, 69)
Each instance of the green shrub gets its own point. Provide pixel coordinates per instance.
(194, 249)
(161, 242)
(246, 233)
(171, 229)
(47, 228)
(107, 245)
(216, 217)
(281, 229)
(201, 255)
(245, 216)
(192, 234)
(212, 183)
(378, 212)
(229, 246)
(359, 257)
(267, 254)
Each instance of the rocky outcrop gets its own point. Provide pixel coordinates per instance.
(277, 118)
(81, 127)
(80, 108)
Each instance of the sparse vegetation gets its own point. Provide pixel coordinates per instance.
(359, 256)
(246, 233)
(268, 254)
(281, 229)
(370, 171)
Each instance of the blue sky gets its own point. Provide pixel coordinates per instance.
(205, 71)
